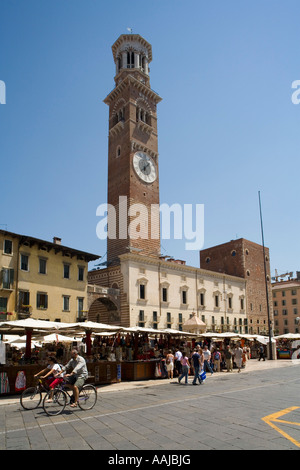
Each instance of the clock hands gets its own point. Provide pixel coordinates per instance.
(144, 167)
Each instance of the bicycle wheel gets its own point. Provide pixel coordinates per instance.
(55, 405)
(31, 398)
(87, 397)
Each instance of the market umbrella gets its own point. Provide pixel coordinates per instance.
(288, 336)
(29, 326)
(57, 338)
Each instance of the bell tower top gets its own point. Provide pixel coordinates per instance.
(132, 54)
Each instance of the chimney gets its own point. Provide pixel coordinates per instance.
(57, 241)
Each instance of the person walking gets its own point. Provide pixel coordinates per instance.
(228, 358)
(261, 352)
(185, 368)
(217, 360)
(177, 357)
(245, 357)
(196, 360)
(170, 364)
(207, 356)
(238, 357)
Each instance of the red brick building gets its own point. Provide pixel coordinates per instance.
(245, 259)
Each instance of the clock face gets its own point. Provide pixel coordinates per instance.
(144, 167)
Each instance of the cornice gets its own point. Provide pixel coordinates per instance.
(131, 38)
(152, 261)
(130, 80)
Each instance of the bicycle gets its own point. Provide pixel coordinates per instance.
(57, 399)
(31, 397)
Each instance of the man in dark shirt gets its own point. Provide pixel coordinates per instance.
(196, 365)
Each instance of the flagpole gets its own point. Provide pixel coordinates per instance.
(266, 282)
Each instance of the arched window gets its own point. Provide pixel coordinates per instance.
(130, 60)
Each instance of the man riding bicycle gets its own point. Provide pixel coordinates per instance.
(78, 376)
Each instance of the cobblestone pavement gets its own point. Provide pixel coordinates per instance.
(227, 412)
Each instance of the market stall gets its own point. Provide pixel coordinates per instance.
(287, 345)
(112, 353)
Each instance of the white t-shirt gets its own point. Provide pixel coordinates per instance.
(206, 354)
(56, 368)
(178, 355)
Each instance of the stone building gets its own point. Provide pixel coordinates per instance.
(139, 286)
(286, 302)
(42, 280)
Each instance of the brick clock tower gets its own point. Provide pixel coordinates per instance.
(133, 182)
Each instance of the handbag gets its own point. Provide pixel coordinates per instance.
(202, 375)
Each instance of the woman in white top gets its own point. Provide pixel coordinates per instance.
(170, 364)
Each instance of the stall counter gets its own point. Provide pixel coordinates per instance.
(102, 372)
(139, 370)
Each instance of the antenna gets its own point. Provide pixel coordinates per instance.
(130, 30)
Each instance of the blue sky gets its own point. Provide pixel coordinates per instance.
(227, 125)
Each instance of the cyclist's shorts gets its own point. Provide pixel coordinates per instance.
(79, 382)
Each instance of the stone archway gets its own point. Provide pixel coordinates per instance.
(104, 305)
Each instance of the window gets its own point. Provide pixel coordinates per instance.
(230, 302)
(24, 262)
(164, 294)
(7, 278)
(184, 297)
(283, 293)
(242, 304)
(66, 303)
(142, 291)
(66, 271)
(80, 314)
(202, 299)
(80, 273)
(141, 318)
(154, 317)
(284, 311)
(42, 265)
(130, 60)
(8, 247)
(179, 317)
(216, 301)
(294, 301)
(3, 307)
(24, 301)
(294, 292)
(41, 300)
(169, 323)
